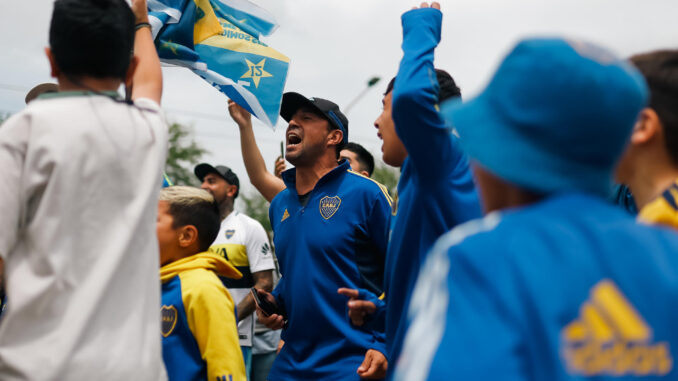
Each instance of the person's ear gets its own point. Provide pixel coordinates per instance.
(335, 137)
(231, 191)
(131, 70)
(364, 173)
(646, 128)
(188, 235)
(55, 72)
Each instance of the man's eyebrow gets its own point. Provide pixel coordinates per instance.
(306, 110)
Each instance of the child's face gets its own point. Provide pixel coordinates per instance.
(167, 235)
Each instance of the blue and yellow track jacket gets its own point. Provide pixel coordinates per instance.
(199, 331)
(337, 239)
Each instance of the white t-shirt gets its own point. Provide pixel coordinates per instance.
(244, 243)
(79, 182)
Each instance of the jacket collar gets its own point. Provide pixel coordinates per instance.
(290, 176)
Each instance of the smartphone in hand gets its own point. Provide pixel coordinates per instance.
(266, 307)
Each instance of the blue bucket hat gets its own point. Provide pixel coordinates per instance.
(555, 117)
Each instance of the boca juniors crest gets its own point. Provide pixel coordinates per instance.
(169, 319)
(229, 233)
(329, 206)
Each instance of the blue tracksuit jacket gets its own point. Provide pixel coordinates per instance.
(338, 239)
(436, 190)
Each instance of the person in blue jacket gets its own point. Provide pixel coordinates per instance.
(436, 190)
(199, 328)
(330, 229)
(556, 283)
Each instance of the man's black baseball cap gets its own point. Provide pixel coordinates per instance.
(203, 169)
(291, 102)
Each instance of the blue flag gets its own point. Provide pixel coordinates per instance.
(166, 182)
(202, 36)
(246, 16)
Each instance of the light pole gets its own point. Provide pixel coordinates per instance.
(371, 82)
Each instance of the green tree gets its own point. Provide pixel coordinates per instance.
(256, 207)
(4, 117)
(386, 175)
(183, 153)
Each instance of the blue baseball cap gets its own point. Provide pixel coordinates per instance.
(555, 117)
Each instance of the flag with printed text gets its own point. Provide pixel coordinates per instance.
(219, 41)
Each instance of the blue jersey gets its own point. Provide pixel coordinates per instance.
(436, 190)
(568, 288)
(338, 239)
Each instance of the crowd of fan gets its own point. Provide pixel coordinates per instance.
(508, 252)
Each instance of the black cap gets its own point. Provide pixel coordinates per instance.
(204, 169)
(291, 102)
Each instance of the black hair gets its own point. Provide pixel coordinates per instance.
(92, 38)
(447, 88)
(365, 158)
(660, 69)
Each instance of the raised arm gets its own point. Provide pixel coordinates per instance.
(147, 78)
(428, 140)
(265, 182)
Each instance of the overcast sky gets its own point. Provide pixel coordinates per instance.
(335, 46)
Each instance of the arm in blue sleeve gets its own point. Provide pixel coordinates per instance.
(375, 322)
(377, 226)
(428, 139)
(378, 222)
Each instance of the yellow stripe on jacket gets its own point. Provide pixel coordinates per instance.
(210, 312)
(663, 210)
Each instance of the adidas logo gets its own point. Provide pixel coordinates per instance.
(611, 338)
(285, 216)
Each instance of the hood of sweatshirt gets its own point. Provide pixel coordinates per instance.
(205, 260)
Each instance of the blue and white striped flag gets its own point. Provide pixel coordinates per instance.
(207, 36)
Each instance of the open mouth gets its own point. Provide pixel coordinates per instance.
(293, 139)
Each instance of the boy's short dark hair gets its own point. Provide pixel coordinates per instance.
(660, 69)
(92, 38)
(447, 88)
(193, 206)
(365, 158)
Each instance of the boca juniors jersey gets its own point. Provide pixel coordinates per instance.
(243, 242)
(337, 238)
